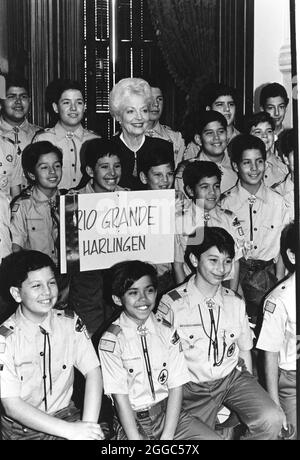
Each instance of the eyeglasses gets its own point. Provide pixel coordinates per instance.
(14, 97)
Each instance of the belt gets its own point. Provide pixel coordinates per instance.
(151, 411)
(256, 264)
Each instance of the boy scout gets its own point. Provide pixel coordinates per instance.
(278, 338)
(274, 100)
(216, 339)
(39, 347)
(286, 187)
(68, 134)
(155, 129)
(14, 125)
(263, 214)
(34, 222)
(10, 169)
(142, 363)
(202, 181)
(262, 125)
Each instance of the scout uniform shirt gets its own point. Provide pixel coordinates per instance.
(10, 167)
(262, 216)
(286, 190)
(278, 332)
(211, 349)
(28, 351)
(275, 171)
(175, 137)
(124, 359)
(5, 239)
(33, 224)
(70, 143)
(19, 136)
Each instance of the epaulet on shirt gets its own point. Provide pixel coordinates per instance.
(5, 331)
(68, 313)
(114, 329)
(38, 132)
(227, 212)
(174, 295)
(227, 291)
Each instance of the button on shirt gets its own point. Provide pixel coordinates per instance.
(278, 332)
(269, 217)
(21, 355)
(10, 167)
(123, 367)
(71, 145)
(166, 133)
(186, 308)
(5, 239)
(32, 226)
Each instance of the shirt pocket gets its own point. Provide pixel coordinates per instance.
(191, 336)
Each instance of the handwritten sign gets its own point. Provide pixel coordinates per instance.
(114, 227)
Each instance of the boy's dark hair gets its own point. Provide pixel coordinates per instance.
(208, 116)
(97, 148)
(213, 236)
(14, 269)
(197, 170)
(244, 142)
(213, 91)
(287, 141)
(125, 274)
(33, 152)
(160, 153)
(256, 118)
(60, 86)
(272, 90)
(17, 80)
(288, 240)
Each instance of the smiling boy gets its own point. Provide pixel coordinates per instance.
(274, 100)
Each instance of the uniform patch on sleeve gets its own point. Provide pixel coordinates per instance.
(2, 347)
(174, 295)
(107, 345)
(163, 308)
(270, 306)
(175, 338)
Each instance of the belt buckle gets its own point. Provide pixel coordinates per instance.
(143, 414)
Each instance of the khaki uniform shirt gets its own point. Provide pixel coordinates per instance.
(10, 167)
(166, 133)
(286, 190)
(269, 217)
(71, 146)
(32, 225)
(275, 171)
(278, 332)
(5, 239)
(23, 363)
(187, 310)
(123, 361)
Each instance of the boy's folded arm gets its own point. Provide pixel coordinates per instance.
(27, 415)
(126, 416)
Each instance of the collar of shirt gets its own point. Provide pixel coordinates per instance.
(196, 297)
(157, 129)
(128, 323)
(243, 194)
(61, 132)
(130, 148)
(8, 128)
(225, 163)
(29, 328)
(40, 198)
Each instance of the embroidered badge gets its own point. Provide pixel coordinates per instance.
(175, 339)
(163, 308)
(163, 376)
(107, 345)
(5, 332)
(174, 295)
(270, 306)
(230, 350)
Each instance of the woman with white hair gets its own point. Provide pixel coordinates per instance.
(130, 101)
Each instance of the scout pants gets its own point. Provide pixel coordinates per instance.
(287, 396)
(13, 431)
(240, 392)
(151, 423)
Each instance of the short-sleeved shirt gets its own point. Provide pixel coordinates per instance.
(275, 171)
(278, 332)
(23, 362)
(32, 226)
(269, 217)
(5, 238)
(187, 310)
(19, 136)
(286, 190)
(10, 167)
(72, 146)
(175, 137)
(123, 361)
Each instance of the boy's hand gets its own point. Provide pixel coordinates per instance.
(85, 431)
